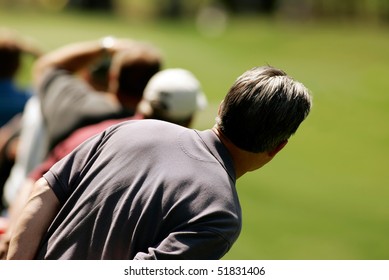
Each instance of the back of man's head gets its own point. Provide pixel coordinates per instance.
(263, 108)
(132, 69)
(9, 58)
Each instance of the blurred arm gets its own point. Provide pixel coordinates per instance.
(30, 46)
(33, 222)
(77, 56)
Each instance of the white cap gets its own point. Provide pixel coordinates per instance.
(175, 92)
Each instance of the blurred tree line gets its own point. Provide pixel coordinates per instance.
(299, 9)
(320, 9)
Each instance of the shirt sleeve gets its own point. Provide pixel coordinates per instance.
(59, 90)
(64, 175)
(68, 100)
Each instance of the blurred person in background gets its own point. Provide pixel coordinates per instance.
(13, 97)
(154, 190)
(30, 150)
(68, 102)
(173, 95)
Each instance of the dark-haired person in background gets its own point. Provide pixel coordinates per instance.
(13, 97)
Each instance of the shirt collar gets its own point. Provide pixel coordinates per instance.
(218, 150)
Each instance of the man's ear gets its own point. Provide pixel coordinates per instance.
(278, 148)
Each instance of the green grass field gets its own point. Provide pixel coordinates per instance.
(326, 195)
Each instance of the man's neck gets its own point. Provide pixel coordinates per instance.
(244, 161)
(233, 150)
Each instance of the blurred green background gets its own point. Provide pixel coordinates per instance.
(326, 195)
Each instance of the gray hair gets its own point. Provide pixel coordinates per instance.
(263, 108)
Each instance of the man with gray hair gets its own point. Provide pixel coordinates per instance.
(154, 190)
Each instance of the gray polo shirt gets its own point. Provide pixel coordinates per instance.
(144, 189)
